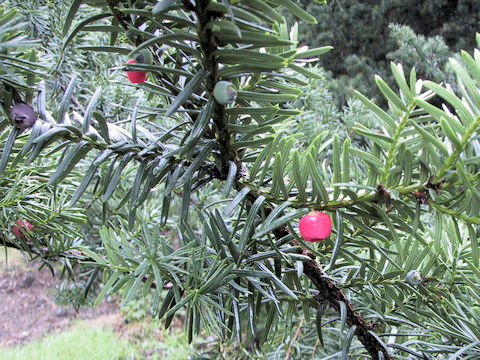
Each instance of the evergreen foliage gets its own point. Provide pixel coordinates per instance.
(364, 43)
(199, 202)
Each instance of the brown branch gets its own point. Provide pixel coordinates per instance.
(121, 17)
(330, 293)
(71, 254)
(188, 5)
(75, 101)
(295, 337)
(328, 290)
(11, 245)
(208, 45)
(43, 252)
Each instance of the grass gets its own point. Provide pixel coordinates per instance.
(102, 343)
(158, 344)
(151, 339)
(77, 343)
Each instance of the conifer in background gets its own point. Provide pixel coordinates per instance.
(368, 34)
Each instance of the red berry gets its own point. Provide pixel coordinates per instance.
(21, 224)
(136, 77)
(315, 226)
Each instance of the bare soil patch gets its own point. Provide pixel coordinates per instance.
(27, 307)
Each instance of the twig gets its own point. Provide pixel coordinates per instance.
(331, 293)
(75, 102)
(113, 5)
(334, 296)
(315, 348)
(289, 350)
(210, 63)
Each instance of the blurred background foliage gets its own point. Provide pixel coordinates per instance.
(368, 34)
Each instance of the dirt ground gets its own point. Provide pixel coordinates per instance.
(27, 307)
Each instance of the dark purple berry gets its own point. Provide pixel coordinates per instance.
(23, 116)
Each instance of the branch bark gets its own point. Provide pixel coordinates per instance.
(41, 253)
(208, 45)
(121, 17)
(331, 293)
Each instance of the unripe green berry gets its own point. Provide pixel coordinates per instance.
(144, 56)
(224, 92)
(414, 278)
